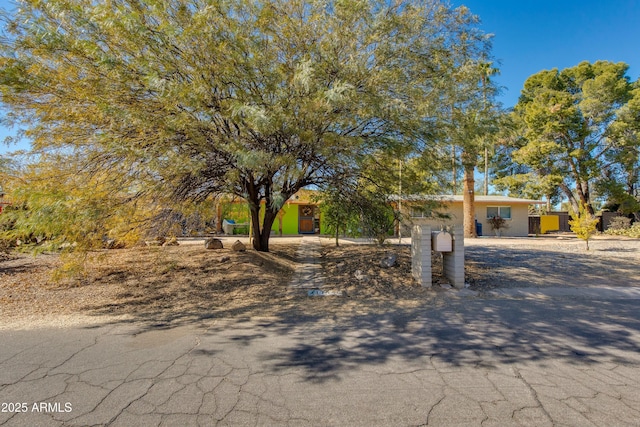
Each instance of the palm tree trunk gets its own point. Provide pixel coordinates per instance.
(469, 208)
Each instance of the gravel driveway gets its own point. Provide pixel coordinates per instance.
(553, 261)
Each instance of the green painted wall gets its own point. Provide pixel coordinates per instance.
(289, 221)
(240, 213)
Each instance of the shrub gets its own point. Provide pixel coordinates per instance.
(633, 231)
(583, 224)
(619, 223)
(498, 223)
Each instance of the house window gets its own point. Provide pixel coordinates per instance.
(419, 212)
(501, 211)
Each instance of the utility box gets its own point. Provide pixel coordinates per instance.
(228, 225)
(441, 241)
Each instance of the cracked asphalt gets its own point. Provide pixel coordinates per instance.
(468, 361)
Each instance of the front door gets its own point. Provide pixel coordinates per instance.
(305, 219)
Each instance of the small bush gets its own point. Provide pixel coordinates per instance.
(633, 231)
(619, 223)
(583, 224)
(498, 223)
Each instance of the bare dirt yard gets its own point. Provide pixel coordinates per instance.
(188, 283)
(551, 261)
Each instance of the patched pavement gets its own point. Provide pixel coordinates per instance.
(490, 361)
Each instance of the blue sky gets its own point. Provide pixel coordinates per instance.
(535, 35)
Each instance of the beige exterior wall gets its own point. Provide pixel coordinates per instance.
(518, 224)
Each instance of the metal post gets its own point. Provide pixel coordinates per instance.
(400, 203)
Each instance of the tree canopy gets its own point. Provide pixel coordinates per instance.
(470, 114)
(579, 133)
(190, 98)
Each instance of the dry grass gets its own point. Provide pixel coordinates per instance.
(170, 282)
(189, 283)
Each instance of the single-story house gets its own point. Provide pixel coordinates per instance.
(422, 209)
(300, 214)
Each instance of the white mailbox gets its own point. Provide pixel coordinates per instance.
(441, 241)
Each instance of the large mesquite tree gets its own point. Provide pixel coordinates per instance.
(255, 98)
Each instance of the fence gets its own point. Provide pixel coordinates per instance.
(563, 223)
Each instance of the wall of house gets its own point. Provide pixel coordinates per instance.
(518, 225)
(454, 210)
(324, 229)
(289, 220)
(238, 210)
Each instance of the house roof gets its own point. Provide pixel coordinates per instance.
(458, 198)
(304, 196)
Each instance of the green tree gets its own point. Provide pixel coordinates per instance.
(518, 179)
(568, 122)
(72, 207)
(365, 207)
(472, 121)
(384, 179)
(338, 211)
(246, 97)
(620, 181)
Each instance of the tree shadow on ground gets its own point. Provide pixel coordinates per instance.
(468, 333)
(324, 339)
(458, 333)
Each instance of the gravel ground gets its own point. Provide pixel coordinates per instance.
(188, 283)
(554, 261)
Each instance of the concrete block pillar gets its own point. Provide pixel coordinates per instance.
(421, 254)
(453, 262)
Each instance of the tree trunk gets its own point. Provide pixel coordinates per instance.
(261, 237)
(469, 207)
(262, 232)
(582, 189)
(219, 216)
(572, 199)
(585, 196)
(548, 204)
(280, 218)
(255, 224)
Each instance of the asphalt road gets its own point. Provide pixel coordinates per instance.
(496, 360)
